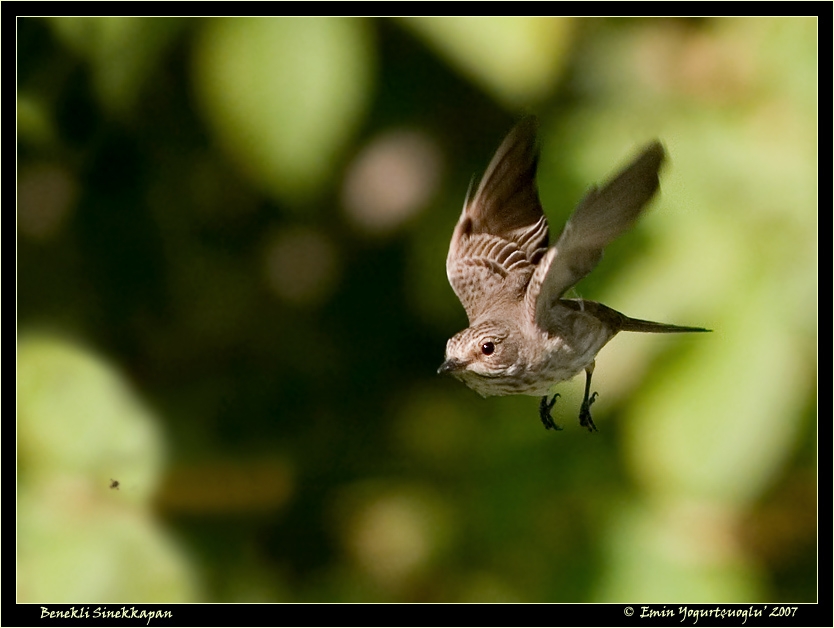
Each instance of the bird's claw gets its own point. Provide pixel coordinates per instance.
(585, 419)
(544, 413)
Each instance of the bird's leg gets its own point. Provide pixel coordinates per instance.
(544, 413)
(585, 419)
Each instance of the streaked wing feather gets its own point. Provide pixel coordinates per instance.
(502, 232)
(507, 198)
(489, 268)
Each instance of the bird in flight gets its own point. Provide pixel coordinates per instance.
(523, 337)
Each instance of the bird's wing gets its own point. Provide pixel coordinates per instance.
(601, 216)
(502, 232)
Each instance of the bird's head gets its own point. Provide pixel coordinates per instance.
(480, 355)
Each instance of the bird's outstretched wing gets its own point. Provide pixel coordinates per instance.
(601, 216)
(502, 233)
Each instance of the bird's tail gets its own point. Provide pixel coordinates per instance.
(617, 321)
(635, 324)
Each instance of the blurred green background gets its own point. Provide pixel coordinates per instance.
(232, 300)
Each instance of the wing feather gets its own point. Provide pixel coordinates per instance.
(602, 215)
(502, 232)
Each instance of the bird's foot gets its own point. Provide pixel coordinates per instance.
(585, 419)
(544, 413)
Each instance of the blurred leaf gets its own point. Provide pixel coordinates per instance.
(82, 537)
(675, 555)
(76, 415)
(722, 421)
(77, 545)
(123, 52)
(391, 531)
(285, 94)
(516, 59)
(34, 125)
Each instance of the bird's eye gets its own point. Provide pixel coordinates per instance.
(488, 348)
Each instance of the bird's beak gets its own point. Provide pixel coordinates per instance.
(450, 366)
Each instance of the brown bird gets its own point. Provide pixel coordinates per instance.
(523, 337)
